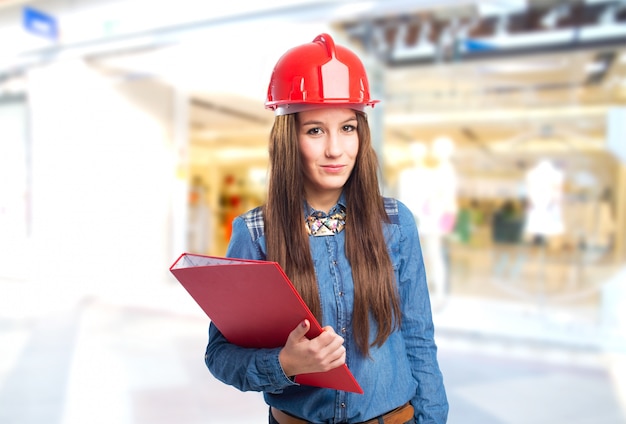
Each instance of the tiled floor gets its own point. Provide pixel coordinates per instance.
(97, 360)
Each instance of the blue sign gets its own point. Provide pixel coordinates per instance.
(477, 46)
(40, 23)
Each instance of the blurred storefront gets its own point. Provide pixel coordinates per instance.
(122, 129)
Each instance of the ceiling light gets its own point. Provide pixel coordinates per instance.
(418, 51)
(523, 67)
(488, 9)
(552, 18)
(601, 32)
(595, 67)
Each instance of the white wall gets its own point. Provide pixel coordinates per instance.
(104, 177)
(13, 189)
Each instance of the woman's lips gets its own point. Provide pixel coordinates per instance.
(333, 168)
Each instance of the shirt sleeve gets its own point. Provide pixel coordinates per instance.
(244, 368)
(430, 401)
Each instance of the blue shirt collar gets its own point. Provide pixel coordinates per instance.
(341, 203)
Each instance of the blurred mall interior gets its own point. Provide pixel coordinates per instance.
(133, 131)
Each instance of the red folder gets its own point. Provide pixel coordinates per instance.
(254, 305)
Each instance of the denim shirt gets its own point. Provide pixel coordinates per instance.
(404, 368)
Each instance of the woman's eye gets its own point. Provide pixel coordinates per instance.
(349, 128)
(314, 131)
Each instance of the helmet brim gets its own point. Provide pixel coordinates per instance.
(289, 108)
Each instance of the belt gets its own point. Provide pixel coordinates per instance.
(399, 415)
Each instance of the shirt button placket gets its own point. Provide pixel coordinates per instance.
(341, 413)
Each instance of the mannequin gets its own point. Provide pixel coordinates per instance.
(544, 225)
(429, 189)
(417, 172)
(544, 186)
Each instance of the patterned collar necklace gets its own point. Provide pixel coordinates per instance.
(319, 223)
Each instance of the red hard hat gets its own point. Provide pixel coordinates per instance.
(318, 74)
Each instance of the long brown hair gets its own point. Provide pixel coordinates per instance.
(375, 290)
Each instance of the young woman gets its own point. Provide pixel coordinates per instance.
(353, 255)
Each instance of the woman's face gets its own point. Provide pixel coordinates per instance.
(329, 145)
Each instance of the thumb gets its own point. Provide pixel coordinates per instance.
(301, 329)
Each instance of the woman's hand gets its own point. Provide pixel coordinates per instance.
(301, 355)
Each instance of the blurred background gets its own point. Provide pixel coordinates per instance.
(133, 131)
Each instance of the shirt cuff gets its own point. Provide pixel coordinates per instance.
(277, 376)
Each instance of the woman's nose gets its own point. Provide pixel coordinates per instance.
(333, 145)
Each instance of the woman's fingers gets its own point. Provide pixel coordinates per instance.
(301, 355)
